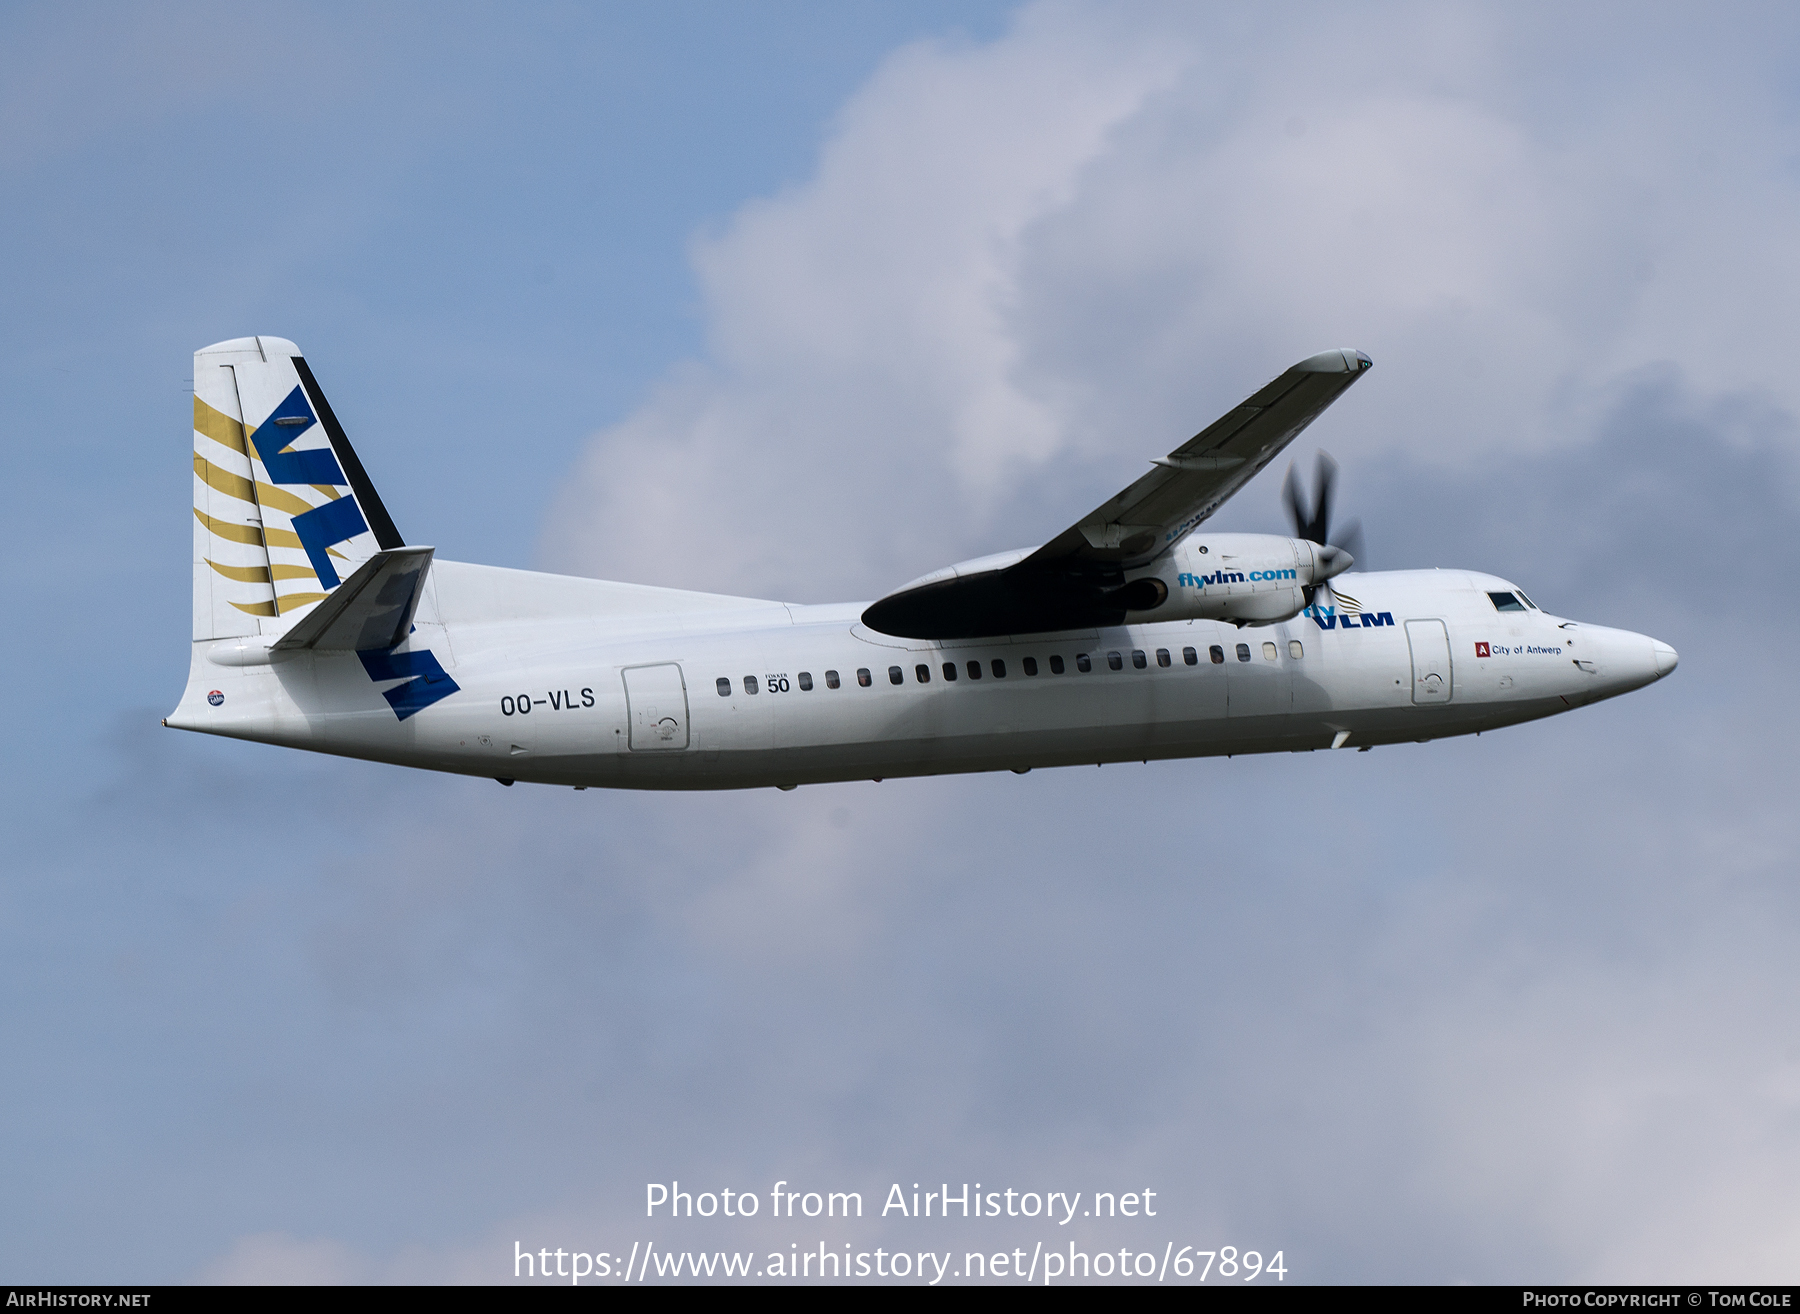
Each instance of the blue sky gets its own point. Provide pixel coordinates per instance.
(804, 301)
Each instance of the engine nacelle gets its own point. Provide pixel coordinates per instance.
(1247, 579)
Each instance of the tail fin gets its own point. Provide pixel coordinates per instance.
(283, 510)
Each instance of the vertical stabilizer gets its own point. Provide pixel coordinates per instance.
(283, 509)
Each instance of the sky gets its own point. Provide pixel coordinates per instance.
(803, 301)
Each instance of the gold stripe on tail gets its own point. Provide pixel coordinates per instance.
(242, 574)
(219, 427)
(234, 533)
(239, 487)
(238, 533)
(260, 574)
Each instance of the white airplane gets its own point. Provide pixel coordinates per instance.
(1132, 635)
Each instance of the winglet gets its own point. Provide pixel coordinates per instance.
(1346, 361)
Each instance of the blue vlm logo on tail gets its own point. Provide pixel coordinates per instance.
(323, 526)
(426, 681)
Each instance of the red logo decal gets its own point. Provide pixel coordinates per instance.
(1481, 650)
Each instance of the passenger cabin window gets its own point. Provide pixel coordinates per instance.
(1082, 663)
(1268, 652)
(974, 670)
(724, 687)
(1139, 660)
(1189, 656)
(998, 667)
(1056, 664)
(1114, 661)
(1506, 602)
(1217, 654)
(804, 679)
(922, 673)
(895, 675)
(831, 679)
(950, 670)
(862, 676)
(1030, 665)
(1162, 657)
(1295, 650)
(1243, 652)
(749, 684)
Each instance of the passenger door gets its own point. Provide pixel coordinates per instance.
(1430, 646)
(656, 701)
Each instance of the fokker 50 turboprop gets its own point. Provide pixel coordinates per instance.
(1131, 635)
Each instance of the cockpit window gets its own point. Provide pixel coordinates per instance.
(1527, 601)
(1506, 602)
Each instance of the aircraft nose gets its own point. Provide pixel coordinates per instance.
(1622, 660)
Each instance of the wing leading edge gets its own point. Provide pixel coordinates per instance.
(1077, 579)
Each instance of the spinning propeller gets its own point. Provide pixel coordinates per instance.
(1315, 527)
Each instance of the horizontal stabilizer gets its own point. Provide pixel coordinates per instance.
(370, 611)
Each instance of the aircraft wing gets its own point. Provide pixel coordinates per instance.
(1193, 481)
(1065, 583)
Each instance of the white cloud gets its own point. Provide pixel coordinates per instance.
(1023, 268)
(860, 323)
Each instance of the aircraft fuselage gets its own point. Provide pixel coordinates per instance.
(583, 683)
